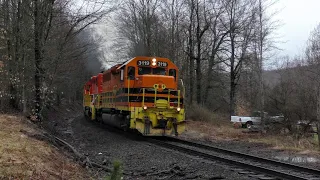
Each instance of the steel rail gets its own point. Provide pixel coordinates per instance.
(248, 156)
(165, 142)
(264, 170)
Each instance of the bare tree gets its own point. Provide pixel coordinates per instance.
(139, 23)
(69, 28)
(313, 60)
(191, 50)
(265, 44)
(16, 38)
(218, 38)
(199, 36)
(205, 37)
(41, 40)
(43, 14)
(239, 21)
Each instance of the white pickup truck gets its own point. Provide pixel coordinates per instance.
(255, 119)
(248, 121)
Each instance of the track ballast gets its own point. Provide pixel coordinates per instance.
(258, 167)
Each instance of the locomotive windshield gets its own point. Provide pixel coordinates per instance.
(144, 70)
(159, 71)
(149, 70)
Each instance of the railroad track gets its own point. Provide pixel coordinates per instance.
(253, 166)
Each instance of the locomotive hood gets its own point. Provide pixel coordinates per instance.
(151, 81)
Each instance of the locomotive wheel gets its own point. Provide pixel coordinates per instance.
(126, 123)
(88, 117)
(125, 128)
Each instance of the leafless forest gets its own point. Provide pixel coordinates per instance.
(49, 49)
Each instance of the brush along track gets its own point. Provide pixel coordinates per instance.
(252, 163)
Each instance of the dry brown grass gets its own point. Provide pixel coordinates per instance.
(22, 157)
(198, 113)
(303, 145)
(210, 131)
(226, 132)
(209, 126)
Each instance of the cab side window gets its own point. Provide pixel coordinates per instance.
(172, 72)
(131, 73)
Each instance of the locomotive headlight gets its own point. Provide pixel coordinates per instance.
(145, 107)
(154, 62)
(178, 109)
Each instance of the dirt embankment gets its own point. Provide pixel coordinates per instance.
(25, 155)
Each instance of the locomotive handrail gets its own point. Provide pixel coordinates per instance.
(128, 92)
(169, 98)
(183, 88)
(178, 98)
(114, 95)
(155, 95)
(143, 91)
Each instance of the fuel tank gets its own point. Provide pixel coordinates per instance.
(115, 120)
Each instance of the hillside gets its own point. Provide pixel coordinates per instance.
(24, 155)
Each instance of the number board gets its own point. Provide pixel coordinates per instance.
(162, 64)
(143, 63)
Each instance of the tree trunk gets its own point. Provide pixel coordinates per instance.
(261, 92)
(23, 80)
(191, 56)
(198, 80)
(38, 60)
(318, 114)
(18, 43)
(11, 62)
(198, 59)
(209, 79)
(232, 94)
(232, 77)
(172, 50)
(191, 81)
(148, 30)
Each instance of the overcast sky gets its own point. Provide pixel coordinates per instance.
(298, 19)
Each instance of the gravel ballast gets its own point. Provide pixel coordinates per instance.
(142, 160)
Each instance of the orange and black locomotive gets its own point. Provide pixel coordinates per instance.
(142, 94)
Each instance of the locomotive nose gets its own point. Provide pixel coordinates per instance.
(162, 82)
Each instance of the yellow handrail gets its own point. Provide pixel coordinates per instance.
(178, 98)
(114, 96)
(143, 90)
(155, 96)
(169, 98)
(128, 94)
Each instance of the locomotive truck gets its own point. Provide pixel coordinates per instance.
(140, 94)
